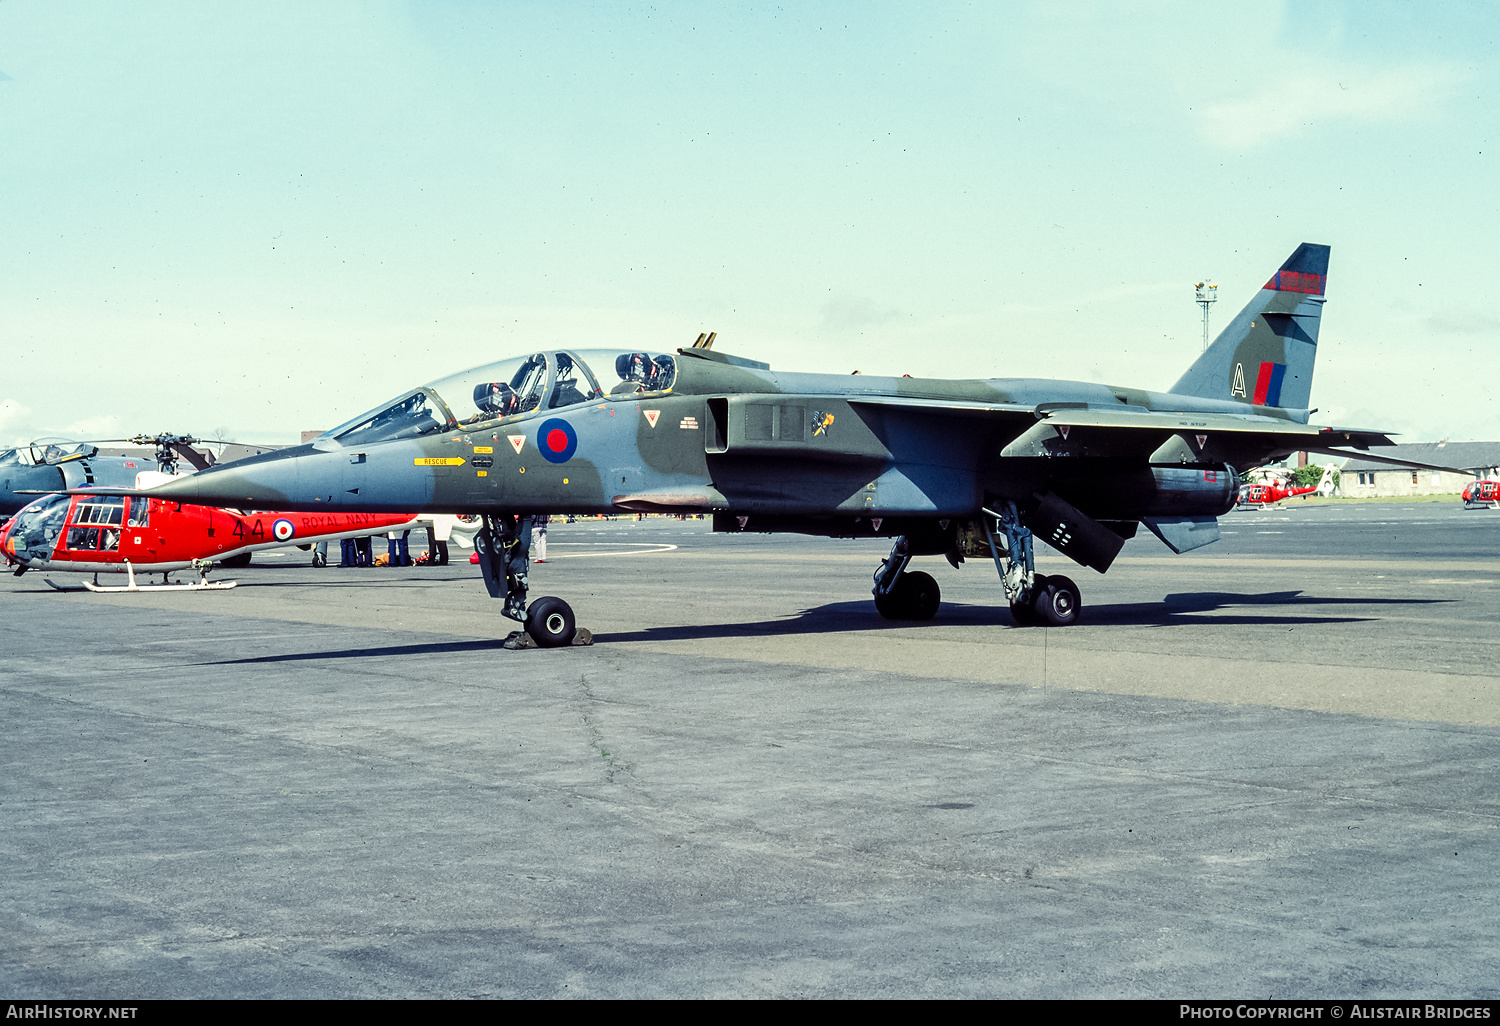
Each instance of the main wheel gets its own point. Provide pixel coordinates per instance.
(1021, 613)
(1057, 602)
(916, 596)
(550, 623)
(319, 559)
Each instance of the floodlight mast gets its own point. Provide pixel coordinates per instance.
(1208, 295)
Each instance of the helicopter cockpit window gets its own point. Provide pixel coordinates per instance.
(38, 525)
(107, 512)
(107, 509)
(411, 416)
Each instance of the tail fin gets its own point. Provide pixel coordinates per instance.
(1265, 356)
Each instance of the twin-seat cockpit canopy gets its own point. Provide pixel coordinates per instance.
(47, 451)
(519, 387)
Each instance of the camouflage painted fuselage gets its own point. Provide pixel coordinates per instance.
(744, 440)
(854, 455)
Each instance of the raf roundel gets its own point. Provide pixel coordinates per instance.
(283, 529)
(557, 440)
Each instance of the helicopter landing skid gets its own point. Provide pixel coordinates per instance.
(203, 584)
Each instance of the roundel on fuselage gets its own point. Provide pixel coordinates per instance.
(556, 440)
(283, 529)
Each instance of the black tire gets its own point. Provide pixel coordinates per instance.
(916, 596)
(319, 559)
(922, 595)
(550, 622)
(1057, 603)
(1021, 613)
(236, 562)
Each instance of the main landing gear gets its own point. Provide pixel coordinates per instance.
(904, 596)
(1035, 599)
(504, 547)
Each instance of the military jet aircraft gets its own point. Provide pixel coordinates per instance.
(959, 468)
(51, 464)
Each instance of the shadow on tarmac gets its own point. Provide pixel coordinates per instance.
(385, 651)
(1175, 610)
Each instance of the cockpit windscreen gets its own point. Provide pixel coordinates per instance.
(552, 381)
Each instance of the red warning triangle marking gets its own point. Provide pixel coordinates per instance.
(1202, 440)
(1063, 430)
(516, 441)
(651, 416)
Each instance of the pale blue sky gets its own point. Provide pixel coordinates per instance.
(266, 217)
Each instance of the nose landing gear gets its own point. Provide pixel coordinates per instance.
(503, 545)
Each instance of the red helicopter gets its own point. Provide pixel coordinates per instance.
(1262, 495)
(113, 533)
(1482, 494)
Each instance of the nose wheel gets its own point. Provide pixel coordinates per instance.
(503, 549)
(550, 622)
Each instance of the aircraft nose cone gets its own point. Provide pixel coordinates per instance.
(267, 481)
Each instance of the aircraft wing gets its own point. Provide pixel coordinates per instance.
(1083, 429)
(1297, 436)
(1389, 459)
(958, 407)
(1241, 440)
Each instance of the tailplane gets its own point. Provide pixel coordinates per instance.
(1265, 356)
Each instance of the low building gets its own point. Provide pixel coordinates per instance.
(1366, 478)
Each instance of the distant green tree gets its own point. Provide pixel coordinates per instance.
(1308, 475)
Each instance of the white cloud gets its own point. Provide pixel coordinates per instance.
(855, 313)
(1306, 96)
(97, 427)
(12, 414)
(1462, 320)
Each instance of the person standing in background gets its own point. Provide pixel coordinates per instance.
(539, 537)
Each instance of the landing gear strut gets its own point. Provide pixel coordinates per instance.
(904, 596)
(504, 548)
(1053, 601)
